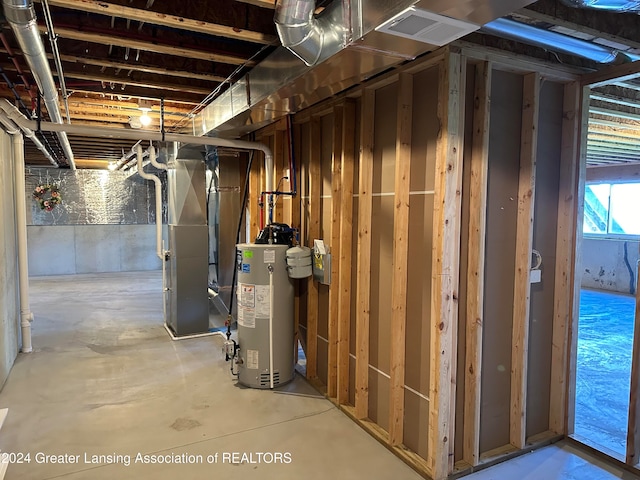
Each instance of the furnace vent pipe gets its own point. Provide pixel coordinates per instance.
(22, 17)
(158, 184)
(549, 40)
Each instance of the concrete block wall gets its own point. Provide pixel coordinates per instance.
(606, 265)
(71, 249)
(9, 291)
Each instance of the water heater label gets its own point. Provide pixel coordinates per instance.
(246, 268)
(269, 256)
(252, 359)
(263, 302)
(247, 295)
(247, 317)
(248, 254)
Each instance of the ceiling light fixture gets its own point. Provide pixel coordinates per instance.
(145, 107)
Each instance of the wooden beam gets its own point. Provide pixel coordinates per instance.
(400, 259)
(334, 288)
(617, 173)
(75, 92)
(565, 260)
(125, 42)
(99, 77)
(315, 205)
(576, 280)
(157, 18)
(363, 288)
(346, 244)
(476, 263)
(611, 74)
(633, 425)
(615, 113)
(524, 244)
(260, 3)
(445, 263)
(139, 68)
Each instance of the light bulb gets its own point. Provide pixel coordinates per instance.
(145, 119)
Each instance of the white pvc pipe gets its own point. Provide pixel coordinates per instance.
(155, 163)
(26, 317)
(196, 335)
(158, 183)
(271, 325)
(121, 133)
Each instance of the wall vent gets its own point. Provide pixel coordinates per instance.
(426, 27)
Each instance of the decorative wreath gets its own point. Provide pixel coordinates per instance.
(47, 196)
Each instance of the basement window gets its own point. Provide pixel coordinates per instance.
(612, 209)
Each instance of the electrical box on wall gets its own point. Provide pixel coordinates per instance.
(321, 263)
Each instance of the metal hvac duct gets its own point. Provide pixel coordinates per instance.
(339, 48)
(617, 6)
(22, 17)
(550, 40)
(308, 38)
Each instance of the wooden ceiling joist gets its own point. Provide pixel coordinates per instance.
(615, 113)
(157, 18)
(260, 3)
(139, 68)
(128, 81)
(612, 74)
(120, 41)
(128, 93)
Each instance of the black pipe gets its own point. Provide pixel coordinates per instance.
(235, 267)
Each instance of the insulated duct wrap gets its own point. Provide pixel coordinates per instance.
(549, 40)
(617, 6)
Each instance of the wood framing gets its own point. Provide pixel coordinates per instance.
(315, 185)
(445, 259)
(157, 18)
(565, 258)
(524, 244)
(363, 288)
(476, 261)
(400, 258)
(334, 288)
(346, 239)
(633, 426)
(581, 167)
(125, 42)
(612, 73)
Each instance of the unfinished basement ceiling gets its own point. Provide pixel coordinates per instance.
(120, 54)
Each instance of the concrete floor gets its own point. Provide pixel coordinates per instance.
(105, 379)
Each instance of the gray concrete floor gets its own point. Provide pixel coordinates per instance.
(105, 379)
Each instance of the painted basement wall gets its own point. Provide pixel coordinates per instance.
(609, 264)
(9, 290)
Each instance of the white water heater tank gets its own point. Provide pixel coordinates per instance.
(265, 299)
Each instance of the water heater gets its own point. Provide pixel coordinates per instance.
(265, 300)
